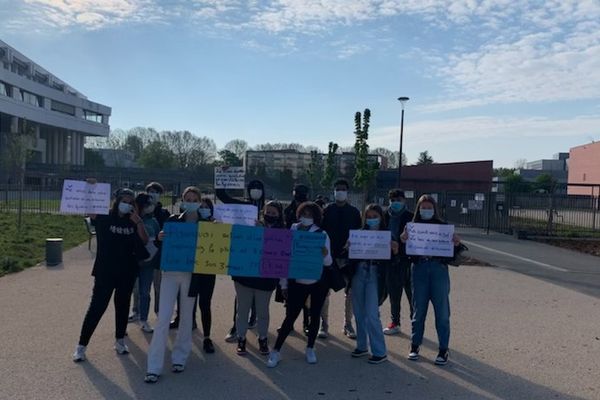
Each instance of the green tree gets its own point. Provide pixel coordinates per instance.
(365, 170)
(545, 183)
(229, 158)
(134, 145)
(424, 158)
(157, 155)
(516, 184)
(330, 168)
(314, 171)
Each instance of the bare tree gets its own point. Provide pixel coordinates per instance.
(521, 163)
(237, 147)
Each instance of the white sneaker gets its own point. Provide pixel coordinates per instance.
(146, 327)
(323, 334)
(274, 358)
(311, 356)
(121, 347)
(79, 354)
(133, 317)
(391, 329)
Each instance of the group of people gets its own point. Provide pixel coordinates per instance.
(128, 255)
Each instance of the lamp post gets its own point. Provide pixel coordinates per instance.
(402, 101)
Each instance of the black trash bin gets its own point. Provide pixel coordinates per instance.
(53, 251)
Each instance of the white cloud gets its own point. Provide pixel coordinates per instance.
(482, 127)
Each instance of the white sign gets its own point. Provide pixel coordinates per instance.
(475, 205)
(430, 240)
(237, 214)
(229, 178)
(479, 196)
(452, 203)
(409, 194)
(79, 197)
(369, 245)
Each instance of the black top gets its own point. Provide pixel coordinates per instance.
(337, 222)
(396, 224)
(161, 214)
(290, 214)
(119, 247)
(255, 184)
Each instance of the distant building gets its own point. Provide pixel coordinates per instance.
(58, 116)
(116, 158)
(271, 162)
(584, 169)
(555, 167)
(557, 163)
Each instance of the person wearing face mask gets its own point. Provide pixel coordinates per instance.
(338, 219)
(298, 290)
(430, 282)
(121, 239)
(202, 286)
(173, 285)
(365, 294)
(255, 196)
(300, 194)
(397, 273)
(258, 291)
(141, 291)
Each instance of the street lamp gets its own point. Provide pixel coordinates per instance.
(402, 101)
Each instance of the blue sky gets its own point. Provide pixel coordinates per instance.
(489, 79)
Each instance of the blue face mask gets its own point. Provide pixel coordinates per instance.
(204, 212)
(397, 206)
(189, 207)
(426, 214)
(373, 223)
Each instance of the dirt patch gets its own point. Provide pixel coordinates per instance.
(474, 261)
(583, 246)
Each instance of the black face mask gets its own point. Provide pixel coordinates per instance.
(269, 219)
(301, 197)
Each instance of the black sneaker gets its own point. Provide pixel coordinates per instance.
(208, 346)
(231, 336)
(442, 357)
(414, 353)
(263, 346)
(306, 331)
(377, 359)
(241, 347)
(174, 324)
(357, 353)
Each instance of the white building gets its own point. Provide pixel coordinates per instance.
(59, 116)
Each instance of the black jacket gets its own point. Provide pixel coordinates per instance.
(255, 184)
(337, 222)
(396, 231)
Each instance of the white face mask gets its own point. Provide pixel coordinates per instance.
(340, 195)
(255, 194)
(305, 221)
(155, 197)
(125, 208)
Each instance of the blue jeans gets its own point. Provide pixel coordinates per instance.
(145, 282)
(365, 302)
(431, 282)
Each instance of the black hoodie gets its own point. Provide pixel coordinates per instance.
(255, 184)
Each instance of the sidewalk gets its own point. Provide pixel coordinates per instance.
(513, 337)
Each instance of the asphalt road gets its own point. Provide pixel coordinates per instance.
(515, 335)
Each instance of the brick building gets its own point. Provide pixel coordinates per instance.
(584, 169)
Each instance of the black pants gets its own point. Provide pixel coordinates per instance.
(101, 294)
(397, 279)
(207, 288)
(297, 295)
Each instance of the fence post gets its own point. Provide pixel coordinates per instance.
(489, 211)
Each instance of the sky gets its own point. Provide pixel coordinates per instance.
(504, 80)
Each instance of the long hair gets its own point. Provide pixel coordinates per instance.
(280, 220)
(314, 209)
(429, 199)
(119, 194)
(377, 208)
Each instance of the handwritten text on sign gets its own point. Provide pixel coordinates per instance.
(369, 245)
(229, 178)
(210, 248)
(430, 240)
(79, 197)
(239, 214)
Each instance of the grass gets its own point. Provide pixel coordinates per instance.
(565, 230)
(27, 247)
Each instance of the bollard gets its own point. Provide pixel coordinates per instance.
(53, 251)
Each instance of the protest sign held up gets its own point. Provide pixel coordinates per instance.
(229, 178)
(79, 197)
(238, 214)
(369, 245)
(432, 240)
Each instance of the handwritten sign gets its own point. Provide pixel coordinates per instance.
(430, 240)
(212, 251)
(79, 197)
(179, 247)
(229, 178)
(238, 214)
(369, 245)
(238, 250)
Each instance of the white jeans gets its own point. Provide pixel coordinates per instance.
(171, 284)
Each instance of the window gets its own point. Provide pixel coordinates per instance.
(92, 116)
(30, 98)
(62, 107)
(4, 89)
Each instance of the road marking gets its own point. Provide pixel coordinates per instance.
(541, 264)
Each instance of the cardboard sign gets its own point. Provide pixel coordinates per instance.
(369, 245)
(229, 178)
(236, 214)
(212, 248)
(80, 197)
(431, 240)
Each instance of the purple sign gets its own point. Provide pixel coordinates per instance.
(277, 245)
